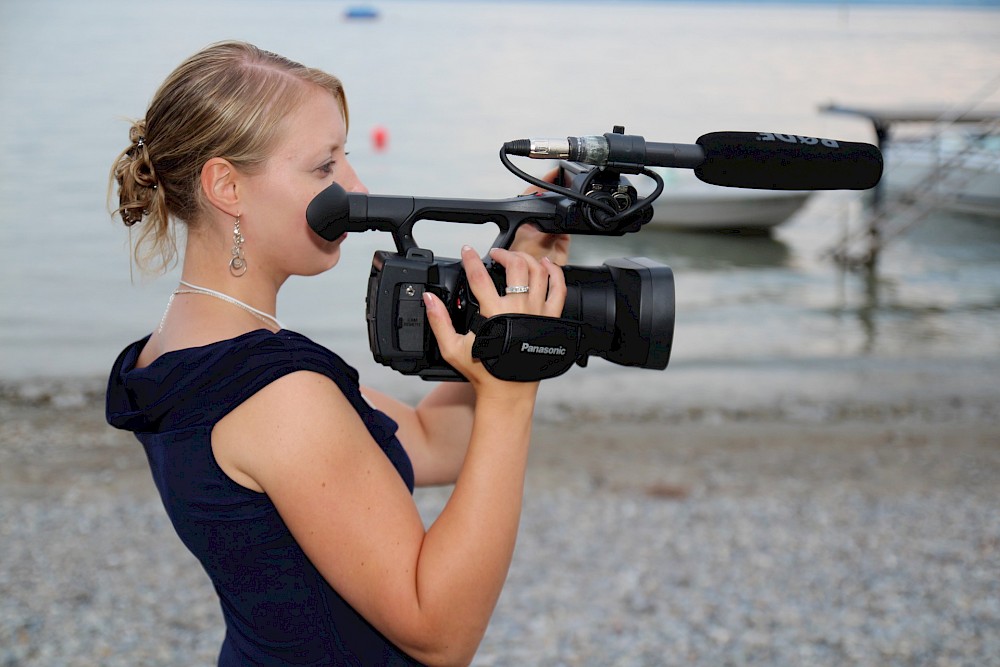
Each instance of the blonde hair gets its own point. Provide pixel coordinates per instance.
(228, 101)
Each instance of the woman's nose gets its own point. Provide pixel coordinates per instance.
(352, 183)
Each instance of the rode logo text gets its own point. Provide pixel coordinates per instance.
(796, 139)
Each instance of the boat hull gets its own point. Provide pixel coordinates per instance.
(688, 204)
(739, 210)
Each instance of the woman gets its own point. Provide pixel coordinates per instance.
(291, 487)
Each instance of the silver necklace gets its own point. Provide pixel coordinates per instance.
(195, 289)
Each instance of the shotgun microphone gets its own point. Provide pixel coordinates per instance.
(760, 160)
(769, 161)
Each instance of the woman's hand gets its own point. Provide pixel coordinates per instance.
(545, 296)
(532, 241)
(529, 239)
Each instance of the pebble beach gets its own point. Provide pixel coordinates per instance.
(703, 537)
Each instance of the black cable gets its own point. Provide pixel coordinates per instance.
(648, 199)
(552, 187)
(640, 204)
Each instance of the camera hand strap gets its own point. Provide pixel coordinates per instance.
(526, 348)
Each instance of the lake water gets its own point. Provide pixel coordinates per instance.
(451, 82)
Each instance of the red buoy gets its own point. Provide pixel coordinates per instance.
(380, 138)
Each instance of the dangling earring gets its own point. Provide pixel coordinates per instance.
(238, 263)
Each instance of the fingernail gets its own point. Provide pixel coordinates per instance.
(428, 300)
(466, 248)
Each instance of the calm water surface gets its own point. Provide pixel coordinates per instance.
(451, 82)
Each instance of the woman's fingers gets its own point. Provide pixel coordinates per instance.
(524, 279)
(533, 287)
(449, 341)
(480, 281)
(539, 244)
(551, 177)
(556, 298)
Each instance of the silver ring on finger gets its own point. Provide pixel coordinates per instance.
(517, 289)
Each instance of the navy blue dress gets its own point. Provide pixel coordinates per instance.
(277, 607)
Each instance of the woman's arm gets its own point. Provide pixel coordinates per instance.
(430, 592)
(436, 433)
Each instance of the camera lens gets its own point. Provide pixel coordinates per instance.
(627, 307)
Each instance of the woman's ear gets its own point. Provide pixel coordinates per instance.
(218, 184)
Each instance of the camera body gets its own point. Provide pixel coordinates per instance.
(623, 312)
(398, 331)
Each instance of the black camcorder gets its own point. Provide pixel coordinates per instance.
(622, 311)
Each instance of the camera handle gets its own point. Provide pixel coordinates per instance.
(506, 214)
(562, 210)
(335, 211)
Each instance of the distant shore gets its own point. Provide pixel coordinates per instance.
(717, 533)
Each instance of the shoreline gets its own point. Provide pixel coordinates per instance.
(821, 390)
(718, 533)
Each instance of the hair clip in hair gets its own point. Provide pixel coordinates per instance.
(141, 142)
(129, 217)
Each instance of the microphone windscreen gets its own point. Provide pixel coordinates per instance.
(769, 161)
(329, 212)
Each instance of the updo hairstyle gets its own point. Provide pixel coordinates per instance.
(227, 101)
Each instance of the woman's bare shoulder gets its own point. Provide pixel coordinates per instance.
(282, 424)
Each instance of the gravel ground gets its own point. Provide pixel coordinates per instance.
(847, 538)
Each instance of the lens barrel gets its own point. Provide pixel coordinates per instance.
(627, 306)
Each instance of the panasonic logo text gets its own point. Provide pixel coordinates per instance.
(540, 349)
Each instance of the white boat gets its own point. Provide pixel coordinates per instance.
(692, 205)
(953, 165)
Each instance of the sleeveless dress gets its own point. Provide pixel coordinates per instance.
(278, 609)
